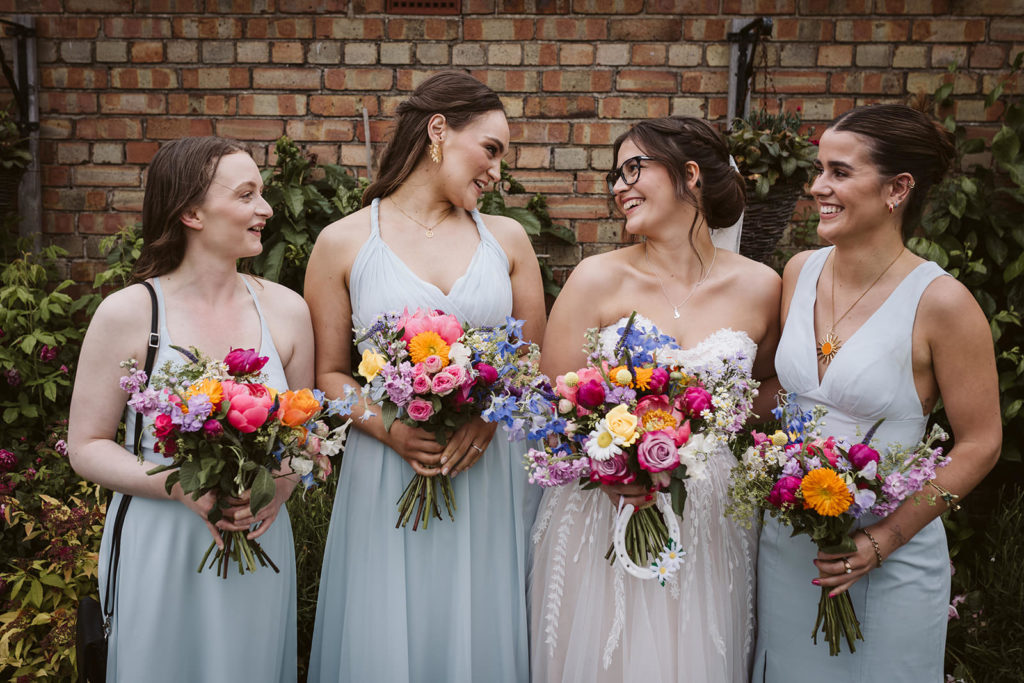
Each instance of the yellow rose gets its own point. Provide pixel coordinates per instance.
(371, 364)
(622, 424)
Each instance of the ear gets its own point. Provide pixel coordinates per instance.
(900, 188)
(437, 126)
(692, 176)
(190, 219)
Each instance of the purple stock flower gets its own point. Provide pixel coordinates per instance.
(13, 377)
(61, 447)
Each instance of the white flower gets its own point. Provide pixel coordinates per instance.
(459, 355)
(301, 466)
(692, 454)
(332, 445)
(602, 444)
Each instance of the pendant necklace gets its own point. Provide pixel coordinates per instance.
(830, 344)
(428, 228)
(664, 292)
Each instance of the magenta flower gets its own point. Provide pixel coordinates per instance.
(48, 353)
(591, 394)
(659, 378)
(212, 428)
(695, 401)
(611, 471)
(487, 373)
(420, 410)
(861, 454)
(13, 377)
(784, 492)
(244, 361)
(657, 452)
(7, 460)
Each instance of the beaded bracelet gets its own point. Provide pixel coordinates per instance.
(874, 544)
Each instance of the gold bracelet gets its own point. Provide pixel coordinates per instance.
(874, 544)
(946, 495)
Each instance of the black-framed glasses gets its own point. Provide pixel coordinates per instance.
(628, 170)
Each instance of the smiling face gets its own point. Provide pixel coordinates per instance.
(651, 202)
(233, 212)
(472, 157)
(850, 194)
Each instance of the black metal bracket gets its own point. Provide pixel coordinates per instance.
(747, 38)
(19, 85)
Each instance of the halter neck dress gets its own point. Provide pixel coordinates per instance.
(172, 623)
(902, 606)
(447, 603)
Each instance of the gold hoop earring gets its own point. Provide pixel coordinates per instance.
(435, 152)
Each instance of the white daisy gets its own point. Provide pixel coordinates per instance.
(602, 444)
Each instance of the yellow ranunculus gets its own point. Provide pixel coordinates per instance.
(371, 364)
(622, 424)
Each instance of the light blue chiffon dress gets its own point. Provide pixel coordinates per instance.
(173, 624)
(902, 606)
(447, 603)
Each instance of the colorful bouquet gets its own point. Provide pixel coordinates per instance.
(430, 371)
(639, 415)
(226, 431)
(822, 486)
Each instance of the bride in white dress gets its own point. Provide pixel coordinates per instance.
(589, 620)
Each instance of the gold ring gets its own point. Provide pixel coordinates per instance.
(846, 563)
(476, 447)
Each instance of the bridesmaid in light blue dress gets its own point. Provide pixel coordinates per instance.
(171, 623)
(906, 333)
(445, 603)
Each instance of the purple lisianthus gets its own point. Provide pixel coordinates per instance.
(861, 454)
(657, 452)
(244, 361)
(784, 492)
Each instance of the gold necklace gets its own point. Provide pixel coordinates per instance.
(830, 344)
(428, 228)
(704, 276)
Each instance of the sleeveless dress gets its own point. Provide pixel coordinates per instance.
(447, 603)
(173, 624)
(902, 606)
(590, 621)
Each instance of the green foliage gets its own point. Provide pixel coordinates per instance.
(14, 154)
(972, 228)
(122, 250)
(305, 198)
(534, 218)
(770, 149)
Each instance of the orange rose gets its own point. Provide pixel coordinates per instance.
(297, 407)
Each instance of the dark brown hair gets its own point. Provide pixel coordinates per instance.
(177, 180)
(675, 140)
(456, 95)
(903, 140)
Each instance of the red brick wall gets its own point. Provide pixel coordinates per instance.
(121, 76)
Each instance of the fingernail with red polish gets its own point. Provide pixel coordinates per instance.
(648, 498)
(816, 582)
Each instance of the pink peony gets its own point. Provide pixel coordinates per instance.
(657, 402)
(420, 410)
(244, 361)
(861, 454)
(657, 452)
(421, 383)
(695, 401)
(564, 390)
(828, 449)
(659, 378)
(682, 434)
(784, 492)
(487, 373)
(447, 326)
(443, 384)
(611, 471)
(250, 405)
(591, 394)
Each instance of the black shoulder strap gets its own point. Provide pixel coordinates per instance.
(115, 546)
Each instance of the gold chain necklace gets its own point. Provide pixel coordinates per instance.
(428, 228)
(704, 276)
(830, 344)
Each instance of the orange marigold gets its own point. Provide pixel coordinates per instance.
(427, 344)
(639, 379)
(210, 387)
(825, 492)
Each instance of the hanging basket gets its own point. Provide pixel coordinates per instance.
(766, 219)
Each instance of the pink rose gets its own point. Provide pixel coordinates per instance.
(323, 464)
(244, 361)
(432, 364)
(590, 394)
(611, 471)
(163, 426)
(657, 452)
(458, 374)
(487, 373)
(442, 384)
(828, 449)
(421, 383)
(861, 454)
(420, 410)
(695, 401)
(784, 492)
(659, 378)
(447, 327)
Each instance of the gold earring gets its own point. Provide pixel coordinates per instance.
(435, 152)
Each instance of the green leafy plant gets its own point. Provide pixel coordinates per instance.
(770, 150)
(14, 154)
(122, 250)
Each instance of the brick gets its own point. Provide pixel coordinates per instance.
(949, 30)
(286, 79)
(65, 27)
(991, 7)
(507, 81)
(685, 7)
(546, 182)
(989, 56)
(910, 57)
(55, 176)
(76, 51)
(207, 28)
(719, 55)
(218, 52)
(591, 183)
(568, 158)
(572, 29)
(325, 52)
(804, 30)
(819, 7)
(928, 82)
(271, 105)
(111, 51)
(608, 6)
(665, 28)
(975, 110)
(513, 105)
(465, 54)
(361, 7)
(325, 154)
(644, 80)
(348, 29)
(532, 156)
(152, 77)
(540, 54)
(96, 224)
(932, 7)
(98, 6)
(590, 81)
(947, 55)
(825, 108)
(432, 53)
(565, 208)
(409, 79)
(105, 176)
(342, 105)
(95, 200)
(360, 53)
(185, 51)
(706, 29)
(759, 7)
(478, 6)
(1007, 29)
(863, 82)
(132, 103)
(797, 55)
(576, 54)
(108, 153)
(497, 29)
(424, 29)
(554, 106)
(835, 55)
(72, 152)
(215, 78)
(169, 6)
(192, 103)
(250, 129)
(126, 200)
(140, 152)
(866, 30)
(64, 199)
(323, 130)
(252, 51)
(597, 132)
(73, 77)
(534, 6)
(133, 27)
(684, 55)
(357, 79)
(281, 28)
(67, 102)
(108, 128)
(545, 132)
(873, 55)
(704, 81)
(353, 155)
(649, 55)
(170, 129)
(290, 52)
(612, 54)
(634, 107)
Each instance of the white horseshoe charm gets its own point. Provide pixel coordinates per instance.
(664, 505)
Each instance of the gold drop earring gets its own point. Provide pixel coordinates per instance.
(435, 152)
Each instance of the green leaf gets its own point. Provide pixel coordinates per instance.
(262, 491)
(388, 413)
(1005, 145)
(293, 199)
(677, 489)
(35, 592)
(525, 218)
(1014, 270)
(189, 477)
(943, 92)
(52, 580)
(788, 166)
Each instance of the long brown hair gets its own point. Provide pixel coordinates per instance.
(456, 95)
(177, 180)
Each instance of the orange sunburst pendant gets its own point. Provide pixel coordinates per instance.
(828, 348)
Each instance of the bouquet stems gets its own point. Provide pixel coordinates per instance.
(239, 549)
(646, 537)
(420, 500)
(837, 619)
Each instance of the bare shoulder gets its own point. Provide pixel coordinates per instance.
(796, 264)
(599, 273)
(277, 299)
(756, 281)
(947, 304)
(511, 235)
(346, 233)
(122, 321)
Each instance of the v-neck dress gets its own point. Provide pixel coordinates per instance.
(173, 624)
(902, 606)
(447, 603)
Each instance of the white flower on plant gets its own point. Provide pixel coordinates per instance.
(602, 444)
